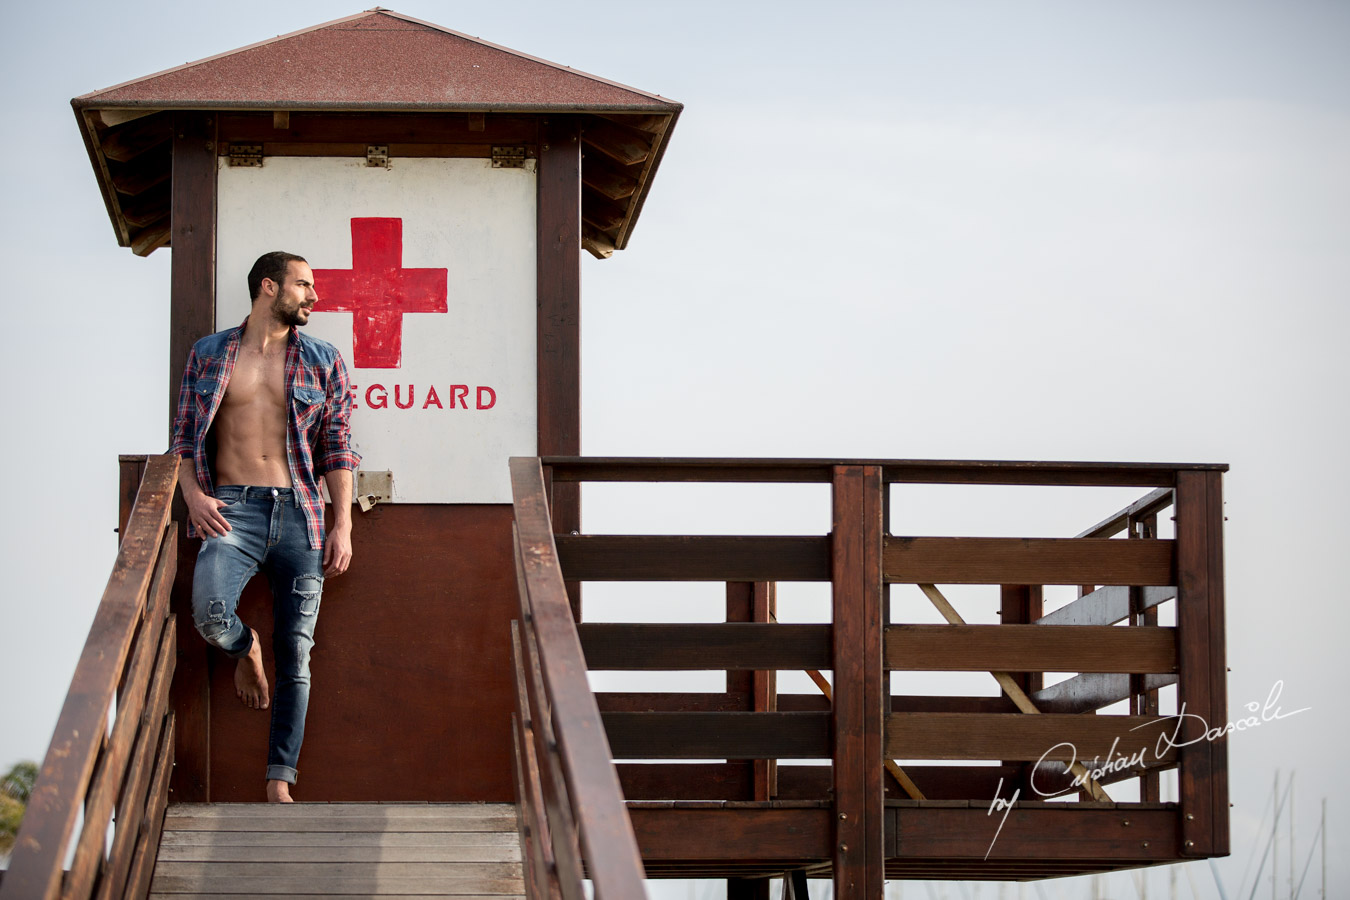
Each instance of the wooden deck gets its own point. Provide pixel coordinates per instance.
(223, 850)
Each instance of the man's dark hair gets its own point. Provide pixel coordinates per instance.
(270, 265)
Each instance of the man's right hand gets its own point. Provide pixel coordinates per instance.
(204, 514)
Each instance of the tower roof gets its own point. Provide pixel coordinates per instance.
(375, 61)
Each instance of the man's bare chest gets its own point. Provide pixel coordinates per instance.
(258, 381)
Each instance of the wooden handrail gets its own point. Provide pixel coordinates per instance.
(593, 800)
(88, 766)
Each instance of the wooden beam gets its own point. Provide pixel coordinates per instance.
(1029, 737)
(124, 143)
(592, 557)
(1029, 648)
(601, 176)
(192, 315)
(1032, 832)
(857, 594)
(704, 646)
(153, 167)
(558, 293)
(718, 735)
(379, 128)
(944, 560)
(1203, 783)
(667, 834)
(626, 146)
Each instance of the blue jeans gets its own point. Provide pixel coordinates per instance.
(267, 532)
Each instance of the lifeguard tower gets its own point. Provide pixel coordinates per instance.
(443, 189)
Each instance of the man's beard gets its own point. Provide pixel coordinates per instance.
(297, 316)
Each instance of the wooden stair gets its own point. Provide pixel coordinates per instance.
(348, 850)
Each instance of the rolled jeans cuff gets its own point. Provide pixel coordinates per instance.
(244, 640)
(281, 773)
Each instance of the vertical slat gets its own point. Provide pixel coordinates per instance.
(152, 826)
(765, 690)
(1194, 663)
(857, 704)
(1022, 604)
(536, 840)
(558, 353)
(1143, 702)
(1218, 662)
(136, 791)
(192, 315)
(106, 783)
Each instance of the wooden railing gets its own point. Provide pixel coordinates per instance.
(122, 766)
(899, 797)
(573, 821)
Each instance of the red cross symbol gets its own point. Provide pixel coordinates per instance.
(377, 291)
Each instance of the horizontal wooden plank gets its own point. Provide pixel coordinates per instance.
(1033, 834)
(1029, 648)
(1105, 606)
(730, 646)
(493, 841)
(604, 557)
(339, 878)
(676, 469)
(1085, 693)
(382, 895)
(337, 853)
(718, 735)
(346, 823)
(340, 810)
(1018, 736)
(947, 560)
(732, 834)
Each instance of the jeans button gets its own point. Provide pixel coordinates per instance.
(274, 493)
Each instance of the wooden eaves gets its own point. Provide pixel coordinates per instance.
(377, 77)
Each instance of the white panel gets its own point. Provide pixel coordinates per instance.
(460, 215)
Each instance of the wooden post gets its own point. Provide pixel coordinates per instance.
(1022, 604)
(1201, 660)
(192, 315)
(558, 273)
(859, 855)
(755, 602)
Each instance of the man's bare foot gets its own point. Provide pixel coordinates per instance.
(278, 792)
(250, 681)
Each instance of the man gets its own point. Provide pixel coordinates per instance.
(263, 412)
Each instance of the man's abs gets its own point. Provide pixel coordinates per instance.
(250, 428)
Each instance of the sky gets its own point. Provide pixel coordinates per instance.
(978, 230)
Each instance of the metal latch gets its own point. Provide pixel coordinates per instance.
(246, 155)
(508, 157)
(374, 487)
(377, 155)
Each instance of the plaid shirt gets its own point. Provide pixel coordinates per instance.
(318, 429)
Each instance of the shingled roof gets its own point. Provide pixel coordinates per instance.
(375, 61)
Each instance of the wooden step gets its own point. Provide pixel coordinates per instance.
(349, 850)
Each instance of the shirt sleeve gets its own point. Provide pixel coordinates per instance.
(334, 450)
(184, 420)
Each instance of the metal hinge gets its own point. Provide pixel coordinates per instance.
(246, 155)
(377, 155)
(508, 157)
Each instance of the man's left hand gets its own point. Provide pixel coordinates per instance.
(337, 551)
